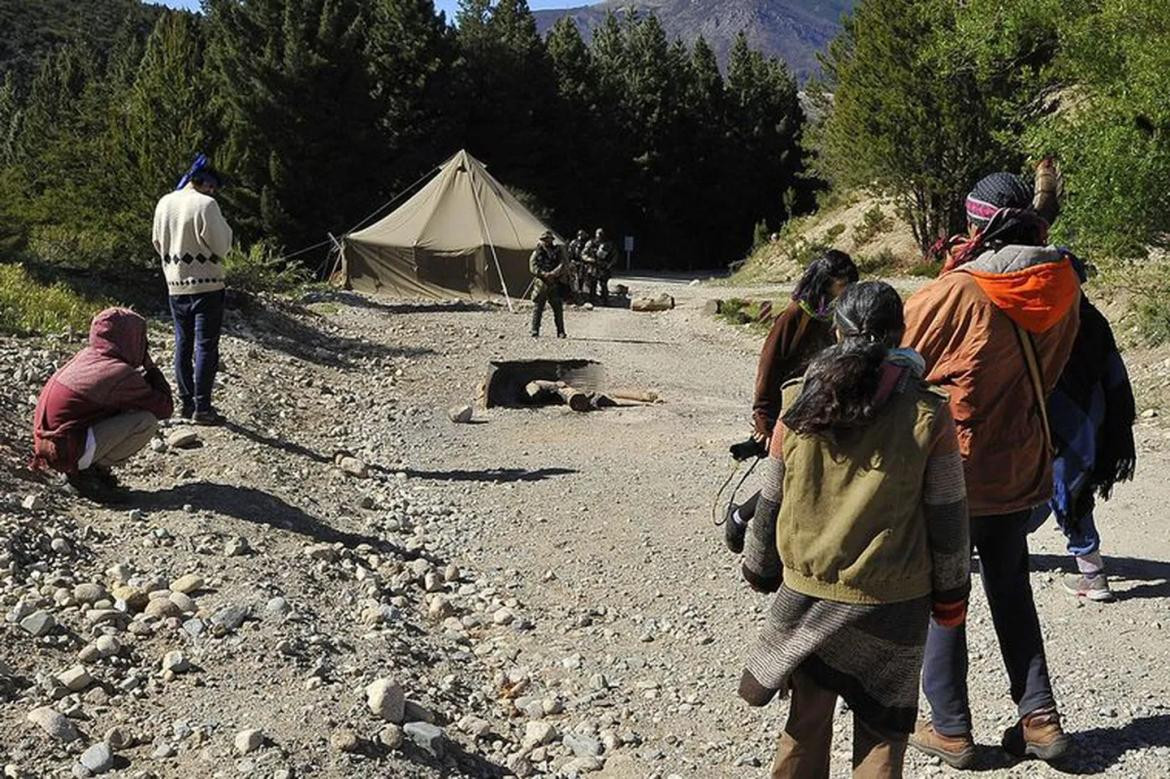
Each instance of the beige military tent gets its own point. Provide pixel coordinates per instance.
(463, 234)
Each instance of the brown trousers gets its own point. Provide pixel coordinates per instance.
(804, 747)
(120, 437)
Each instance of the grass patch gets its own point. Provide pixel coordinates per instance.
(1146, 285)
(757, 314)
(876, 264)
(924, 269)
(873, 222)
(28, 307)
(259, 269)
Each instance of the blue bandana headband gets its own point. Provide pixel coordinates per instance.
(199, 164)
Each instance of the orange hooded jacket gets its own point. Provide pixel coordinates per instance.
(965, 326)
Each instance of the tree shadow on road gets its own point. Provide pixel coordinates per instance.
(278, 329)
(488, 475)
(399, 307)
(285, 446)
(1152, 576)
(258, 507)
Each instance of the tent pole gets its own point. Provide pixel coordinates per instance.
(492, 246)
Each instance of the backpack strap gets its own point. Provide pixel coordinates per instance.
(1028, 347)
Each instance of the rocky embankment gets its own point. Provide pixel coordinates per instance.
(275, 601)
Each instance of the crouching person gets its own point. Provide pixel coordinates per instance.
(862, 527)
(102, 407)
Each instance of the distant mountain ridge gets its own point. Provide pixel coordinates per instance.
(794, 31)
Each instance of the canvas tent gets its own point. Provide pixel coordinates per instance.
(463, 234)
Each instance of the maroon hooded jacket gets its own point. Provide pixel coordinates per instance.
(112, 375)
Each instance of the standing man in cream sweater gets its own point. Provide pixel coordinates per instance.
(192, 238)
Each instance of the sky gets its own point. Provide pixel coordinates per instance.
(443, 5)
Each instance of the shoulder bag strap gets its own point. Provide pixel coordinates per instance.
(1029, 349)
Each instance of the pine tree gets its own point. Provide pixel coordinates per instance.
(510, 92)
(300, 127)
(161, 125)
(905, 122)
(578, 127)
(765, 133)
(411, 54)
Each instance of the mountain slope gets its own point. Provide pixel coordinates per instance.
(31, 29)
(791, 30)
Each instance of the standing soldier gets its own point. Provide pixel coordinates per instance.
(578, 273)
(548, 268)
(600, 257)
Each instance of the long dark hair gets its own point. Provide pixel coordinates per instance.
(840, 384)
(813, 287)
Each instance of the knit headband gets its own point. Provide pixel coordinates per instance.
(995, 192)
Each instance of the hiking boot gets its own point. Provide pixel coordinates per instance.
(1038, 734)
(187, 411)
(955, 751)
(105, 476)
(562, 335)
(92, 485)
(733, 530)
(208, 418)
(1094, 588)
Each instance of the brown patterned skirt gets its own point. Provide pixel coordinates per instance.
(870, 655)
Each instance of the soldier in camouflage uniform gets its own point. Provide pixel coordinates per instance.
(600, 257)
(578, 274)
(548, 266)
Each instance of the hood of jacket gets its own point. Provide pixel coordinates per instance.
(119, 333)
(1035, 286)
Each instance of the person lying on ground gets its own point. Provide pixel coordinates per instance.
(801, 332)
(102, 407)
(996, 329)
(1092, 412)
(862, 527)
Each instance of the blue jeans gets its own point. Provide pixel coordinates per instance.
(1082, 540)
(198, 321)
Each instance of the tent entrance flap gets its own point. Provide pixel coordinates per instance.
(462, 234)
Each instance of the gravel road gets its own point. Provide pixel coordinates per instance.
(593, 623)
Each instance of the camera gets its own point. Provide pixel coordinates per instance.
(746, 450)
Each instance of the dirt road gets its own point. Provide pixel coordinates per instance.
(618, 506)
(546, 586)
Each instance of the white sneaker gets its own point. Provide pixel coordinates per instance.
(1095, 588)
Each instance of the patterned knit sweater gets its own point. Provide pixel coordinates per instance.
(192, 238)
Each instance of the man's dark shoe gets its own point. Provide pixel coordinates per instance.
(955, 751)
(733, 530)
(535, 335)
(187, 411)
(93, 485)
(208, 418)
(1038, 734)
(105, 476)
(562, 335)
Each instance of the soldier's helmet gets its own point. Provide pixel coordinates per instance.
(600, 234)
(582, 235)
(548, 236)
